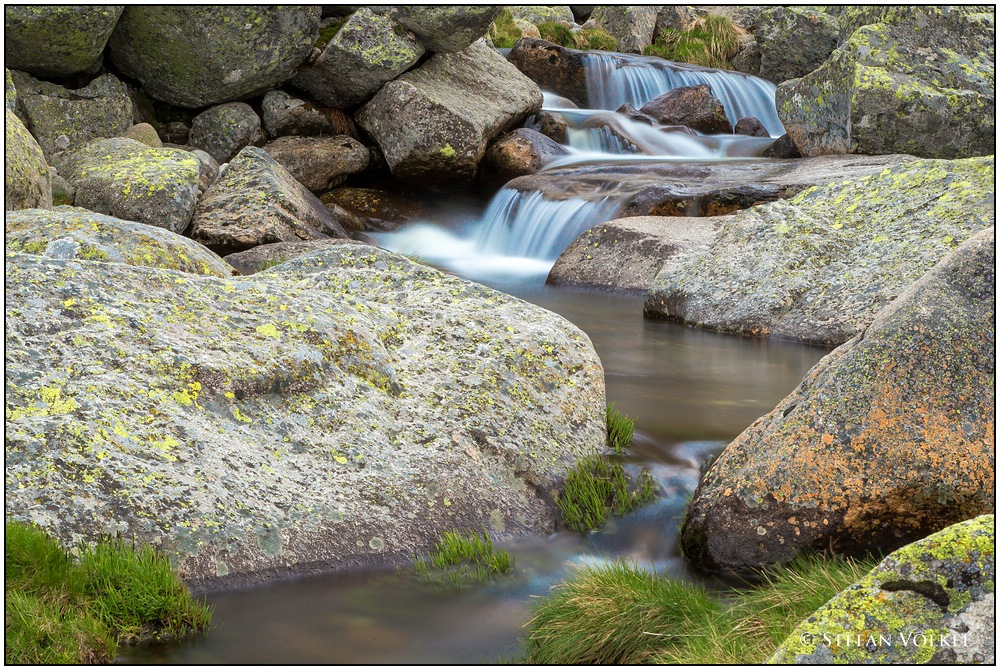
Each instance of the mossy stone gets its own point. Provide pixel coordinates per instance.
(54, 40)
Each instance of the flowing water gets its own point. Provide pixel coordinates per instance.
(689, 391)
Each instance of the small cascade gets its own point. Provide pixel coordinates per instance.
(614, 79)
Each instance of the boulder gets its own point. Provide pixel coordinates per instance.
(63, 192)
(783, 147)
(26, 175)
(933, 601)
(196, 56)
(375, 209)
(62, 119)
(221, 131)
(267, 256)
(818, 267)
(144, 133)
(516, 153)
(255, 202)
(691, 106)
(130, 180)
(446, 28)
(751, 127)
(72, 233)
(433, 123)
(319, 163)
(345, 408)
(794, 41)
(9, 91)
(623, 255)
(367, 51)
(553, 126)
(629, 111)
(633, 26)
(284, 114)
(536, 14)
(747, 58)
(921, 82)
(54, 40)
(672, 17)
(888, 438)
(554, 68)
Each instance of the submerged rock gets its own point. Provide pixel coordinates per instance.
(56, 41)
(345, 408)
(932, 601)
(888, 438)
(26, 175)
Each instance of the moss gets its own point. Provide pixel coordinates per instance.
(503, 32)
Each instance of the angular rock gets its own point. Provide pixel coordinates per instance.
(344, 409)
(267, 256)
(536, 14)
(374, 209)
(62, 119)
(9, 91)
(783, 147)
(516, 153)
(56, 41)
(195, 56)
(818, 267)
(888, 438)
(96, 237)
(794, 41)
(691, 106)
(933, 601)
(26, 176)
(553, 126)
(446, 28)
(130, 180)
(921, 82)
(287, 115)
(623, 255)
(553, 68)
(223, 130)
(751, 127)
(630, 112)
(257, 202)
(319, 163)
(632, 26)
(747, 59)
(433, 123)
(672, 17)
(367, 51)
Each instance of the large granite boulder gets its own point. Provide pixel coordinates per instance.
(319, 163)
(367, 51)
(794, 41)
(518, 152)
(818, 267)
(554, 68)
(256, 201)
(445, 28)
(63, 119)
(200, 55)
(69, 233)
(920, 81)
(888, 438)
(692, 106)
(633, 25)
(136, 182)
(26, 176)
(54, 40)
(433, 123)
(221, 131)
(344, 408)
(933, 601)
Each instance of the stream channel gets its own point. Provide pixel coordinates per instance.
(690, 392)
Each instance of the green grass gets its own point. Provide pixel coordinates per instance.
(60, 610)
(503, 32)
(710, 40)
(622, 614)
(620, 429)
(598, 488)
(598, 38)
(558, 33)
(461, 559)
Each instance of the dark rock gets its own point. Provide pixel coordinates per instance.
(284, 115)
(516, 153)
(783, 147)
(56, 41)
(223, 130)
(373, 208)
(691, 106)
(319, 163)
(630, 112)
(553, 68)
(553, 126)
(751, 127)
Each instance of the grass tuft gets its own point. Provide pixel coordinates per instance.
(620, 429)
(503, 32)
(710, 40)
(459, 560)
(598, 38)
(558, 33)
(597, 488)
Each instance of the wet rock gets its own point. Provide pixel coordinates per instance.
(446, 28)
(223, 130)
(345, 408)
(751, 127)
(920, 81)
(624, 255)
(818, 267)
(553, 68)
(783, 147)
(62, 119)
(630, 112)
(632, 26)
(26, 177)
(319, 163)
(256, 201)
(888, 438)
(97, 237)
(375, 209)
(267, 256)
(516, 153)
(56, 41)
(144, 133)
(367, 51)
(794, 41)
(932, 601)
(433, 123)
(195, 56)
(553, 126)
(284, 115)
(691, 106)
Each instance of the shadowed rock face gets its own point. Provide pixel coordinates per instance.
(889, 437)
(54, 41)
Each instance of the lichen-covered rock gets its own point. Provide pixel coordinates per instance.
(221, 131)
(932, 601)
(692, 106)
(554, 68)
(62, 119)
(136, 182)
(319, 163)
(63, 192)
(74, 233)
(433, 123)
(794, 41)
(888, 438)
(818, 267)
(921, 81)
(367, 51)
(26, 178)
(344, 408)
(632, 25)
(446, 28)
(54, 40)
(195, 56)
(284, 115)
(144, 133)
(518, 152)
(536, 14)
(9, 91)
(257, 202)
(267, 256)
